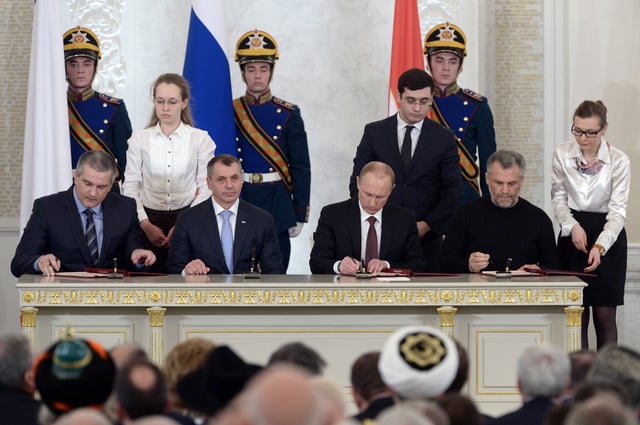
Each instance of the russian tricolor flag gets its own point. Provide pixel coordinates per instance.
(406, 46)
(206, 68)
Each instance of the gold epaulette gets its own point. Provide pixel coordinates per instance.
(474, 95)
(288, 105)
(113, 100)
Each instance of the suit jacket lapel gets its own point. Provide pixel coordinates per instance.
(355, 228)
(74, 222)
(212, 234)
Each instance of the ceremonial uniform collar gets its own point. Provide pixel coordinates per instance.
(75, 97)
(453, 88)
(264, 98)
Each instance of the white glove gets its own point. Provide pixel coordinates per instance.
(295, 230)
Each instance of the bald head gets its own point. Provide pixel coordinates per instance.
(283, 395)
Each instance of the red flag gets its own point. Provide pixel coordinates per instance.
(406, 47)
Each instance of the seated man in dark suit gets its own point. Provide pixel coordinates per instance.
(366, 228)
(82, 227)
(485, 233)
(204, 241)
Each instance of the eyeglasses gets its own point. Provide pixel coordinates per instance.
(425, 101)
(170, 102)
(589, 133)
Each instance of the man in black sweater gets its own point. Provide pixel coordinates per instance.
(500, 231)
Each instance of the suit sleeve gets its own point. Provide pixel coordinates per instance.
(180, 252)
(364, 154)
(450, 188)
(33, 243)
(455, 257)
(270, 255)
(323, 253)
(299, 165)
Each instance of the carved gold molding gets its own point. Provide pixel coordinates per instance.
(299, 297)
(156, 316)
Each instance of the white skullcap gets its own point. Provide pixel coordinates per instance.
(418, 362)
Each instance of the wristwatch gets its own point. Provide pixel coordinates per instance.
(600, 248)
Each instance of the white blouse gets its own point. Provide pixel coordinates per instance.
(168, 173)
(605, 192)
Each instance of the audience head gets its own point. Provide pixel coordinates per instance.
(74, 373)
(402, 414)
(170, 94)
(366, 382)
(505, 176)
(460, 409)
(301, 355)
(375, 183)
(581, 362)
(83, 416)
(184, 358)
(621, 365)
(211, 387)
(283, 395)
(16, 359)
(463, 369)
(224, 179)
(128, 352)
(418, 362)
(543, 371)
(140, 390)
(602, 409)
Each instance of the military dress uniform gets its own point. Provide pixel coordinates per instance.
(463, 111)
(272, 147)
(96, 121)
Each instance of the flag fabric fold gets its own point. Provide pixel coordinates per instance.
(206, 68)
(46, 161)
(406, 46)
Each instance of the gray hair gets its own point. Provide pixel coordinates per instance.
(98, 160)
(543, 371)
(507, 159)
(15, 360)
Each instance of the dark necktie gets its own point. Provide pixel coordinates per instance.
(372, 242)
(405, 153)
(226, 237)
(91, 236)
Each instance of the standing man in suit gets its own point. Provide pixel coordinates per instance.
(272, 142)
(225, 235)
(426, 167)
(346, 229)
(463, 111)
(85, 226)
(96, 121)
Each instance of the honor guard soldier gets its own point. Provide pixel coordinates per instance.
(272, 142)
(463, 111)
(96, 121)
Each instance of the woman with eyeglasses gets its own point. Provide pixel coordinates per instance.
(167, 164)
(590, 192)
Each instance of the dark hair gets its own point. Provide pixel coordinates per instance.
(138, 402)
(365, 376)
(463, 369)
(185, 94)
(300, 355)
(225, 158)
(98, 160)
(589, 108)
(415, 79)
